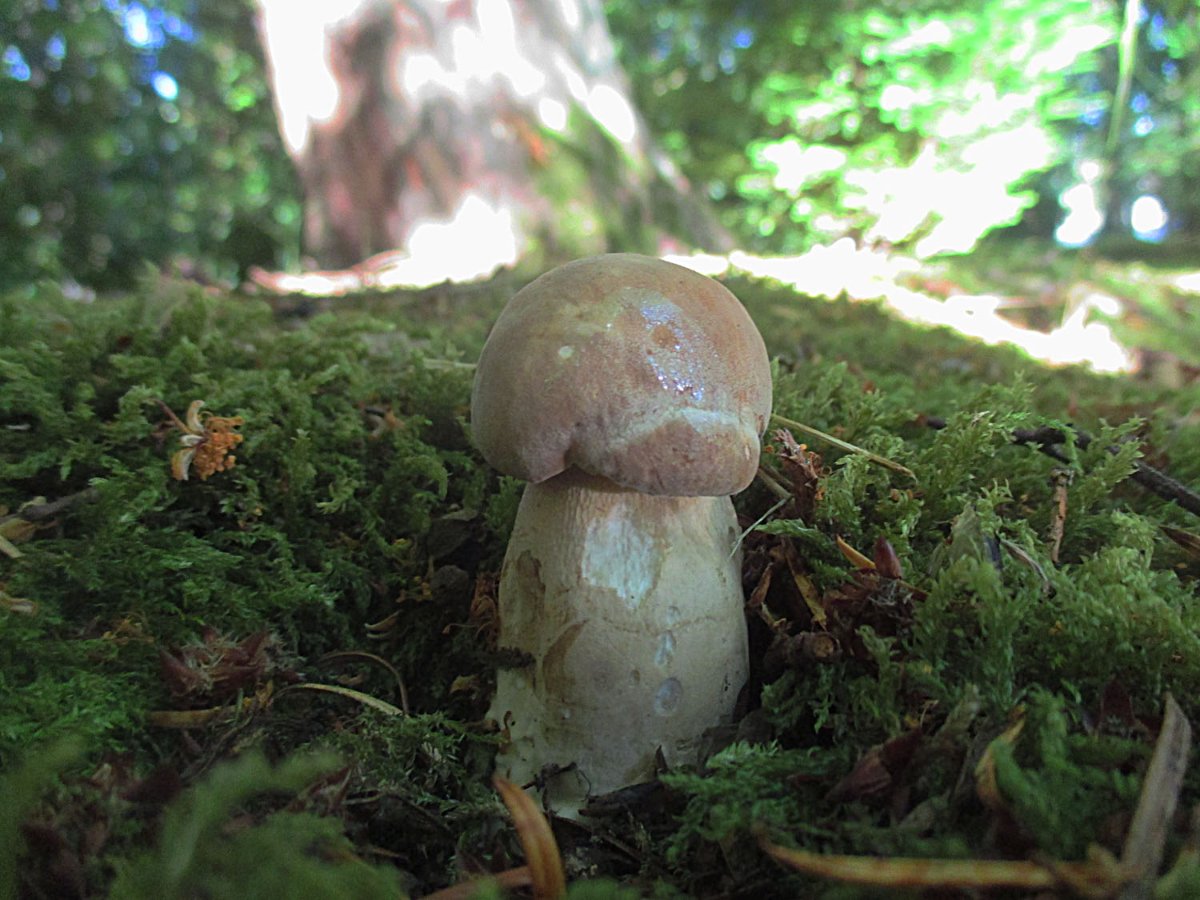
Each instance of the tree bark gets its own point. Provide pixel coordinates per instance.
(464, 134)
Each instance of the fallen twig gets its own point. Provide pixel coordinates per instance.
(20, 526)
(39, 512)
(1048, 439)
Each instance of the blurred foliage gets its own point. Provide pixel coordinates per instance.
(133, 131)
(289, 852)
(1152, 145)
(22, 788)
(924, 124)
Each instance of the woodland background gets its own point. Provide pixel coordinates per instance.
(971, 555)
(135, 132)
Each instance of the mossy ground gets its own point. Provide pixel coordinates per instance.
(355, 544)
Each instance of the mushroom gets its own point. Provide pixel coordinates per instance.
(630, 393)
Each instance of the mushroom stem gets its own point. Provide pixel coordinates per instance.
(630, 607)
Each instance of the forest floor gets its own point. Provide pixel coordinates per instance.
(971, 583)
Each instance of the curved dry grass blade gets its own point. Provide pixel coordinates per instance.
(18, 605)
(986, 786)
(192, 417)
(874, 871)
(375, 658)
(365, 699)
(737, 545)
(771, 480)
(845, 445)
(1100, 876)
(200, 718)
(537, 840)
(181, 463)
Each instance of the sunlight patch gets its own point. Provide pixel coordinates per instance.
(552, 114)
(612, 111)
(473, 243)
(843, 269)
(1148, 218)
(305, 88)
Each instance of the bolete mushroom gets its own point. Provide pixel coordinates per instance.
(630, 393)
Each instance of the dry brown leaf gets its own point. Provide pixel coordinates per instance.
(465, 684)
(1060, 479)
(1143, 850)
(537, 840)
(887, 563)
(878, 770)
(845, 445)
(15, 529)
(804, 584)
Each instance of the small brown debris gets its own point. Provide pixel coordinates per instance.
(1060, 479)
(219, 668)
(205, 443)
(878, 770)
(804, 469)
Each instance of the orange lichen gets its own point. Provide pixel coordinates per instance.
(206, 443)
(212, 453)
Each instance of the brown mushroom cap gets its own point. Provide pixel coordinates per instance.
(631, 368)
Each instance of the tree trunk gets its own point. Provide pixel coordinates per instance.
(464, 134)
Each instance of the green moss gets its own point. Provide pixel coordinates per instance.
(1059, 798)
(282, 854)
(745, 787)
(358, 517)
(349, 450)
